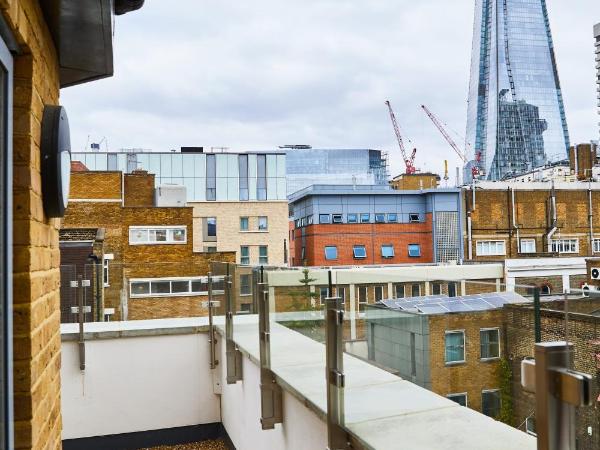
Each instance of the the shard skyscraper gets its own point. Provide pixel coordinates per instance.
(516, 118)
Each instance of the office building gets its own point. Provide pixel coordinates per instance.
(516, 118)
(362, 225)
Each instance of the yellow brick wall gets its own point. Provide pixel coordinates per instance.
(36, 255)
(139, 189)
(95, 185)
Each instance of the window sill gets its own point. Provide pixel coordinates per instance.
(253, 231)
(455, 363)
(495, 358)
(158, 243)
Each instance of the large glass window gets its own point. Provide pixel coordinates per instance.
(164, 287)
(490, 343)
(157, 235)
(261, 177)
(211, 177)
(490, 248)
(490, 402)
(243, 164)
(564, 245)
(455, 346)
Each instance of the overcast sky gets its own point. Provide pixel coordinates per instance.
(255, 75)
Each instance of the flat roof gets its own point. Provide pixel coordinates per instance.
(362, 189)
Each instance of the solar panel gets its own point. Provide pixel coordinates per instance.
(458, 307)
(432, 309)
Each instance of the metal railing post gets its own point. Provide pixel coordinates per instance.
(233, 355)
(334, 320)
(537, 315)
(81, 319)
(271, 408)
(212, 340)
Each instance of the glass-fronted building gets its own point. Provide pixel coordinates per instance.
(516, 119)
(206, 176)
(309, 166)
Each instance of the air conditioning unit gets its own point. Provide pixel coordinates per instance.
(595, 272)
(585, 289)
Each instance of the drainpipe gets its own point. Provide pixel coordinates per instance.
(514, 219)
(99, 274)
(590, 217)
(554, 220)
(469, 235)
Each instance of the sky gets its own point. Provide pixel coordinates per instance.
(256, 75)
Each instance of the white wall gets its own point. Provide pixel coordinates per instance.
(137, 384)
(301, 429)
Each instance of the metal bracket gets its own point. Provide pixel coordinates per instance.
(271, 396)
(558, 391)
(212, 337)
(232, 354)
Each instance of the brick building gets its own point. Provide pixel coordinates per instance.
(361, 225)
(452, 346)
(42, 50)
(148, 265)
(415, 181)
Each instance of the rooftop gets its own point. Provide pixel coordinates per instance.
(372, 189)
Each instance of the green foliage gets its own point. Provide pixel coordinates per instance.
(304, 300)
(506, 408)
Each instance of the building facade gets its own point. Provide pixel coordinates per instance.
(597, 44)
(146, 267)
(516, 119)
(362, 225)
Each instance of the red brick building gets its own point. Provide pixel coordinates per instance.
(362, 225)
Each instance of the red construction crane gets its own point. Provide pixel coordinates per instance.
(408, 161)
(439, 126)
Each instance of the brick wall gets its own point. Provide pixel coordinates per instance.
(139, 189)
(474, 375)
(36, 314)
(584, 333)
(492, 220)
(372, 236)
(95, 185)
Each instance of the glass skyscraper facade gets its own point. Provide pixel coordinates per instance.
(516, 118)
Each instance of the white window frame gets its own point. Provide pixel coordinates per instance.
(258, 226)
(393, 251)
(105, 273)
(414, 217)
(495, 251)
(169, 231)
(336, 252)
(485, 391)
(527, 241)
(379, 286)
(491, 358)
(263, 259)
(528, 430)
(366, 300)
(596, 245)
(247, 263)
(323, 297)
(189, 293)
(459, 394)
(364, 247)
(559, 245)
(464, 360)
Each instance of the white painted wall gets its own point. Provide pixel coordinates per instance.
(137, 384)
(301, 429)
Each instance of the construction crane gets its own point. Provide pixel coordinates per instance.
(461, 154)
(408, 161)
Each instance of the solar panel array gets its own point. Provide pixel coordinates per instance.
(440, 304)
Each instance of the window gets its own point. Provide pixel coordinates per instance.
(527, 246)
(451, 289)
(490, 343)
(261, 177)
(379, 218)
(157, 235)
(490, 403)
(336, 218)
(210, 249)
(211, 226)
(461, 399)
(323, 294)
(352, 218)
(363, 298)
(263, 223)
(360, 252)
(564, 245)
(530, 426)
(365, 218)
(244, 223)
(455, 346)
(378, 293)
(596, 246)
(309, 220)
(175, 287)
(490, 248)
(263, 257)
(399, 290)
(392, 218)
(414, 250)
(245, 255)
(211, 177)
(324, 218)
(245, 284)
(245, 308)
(415, 290)
(436, 288)
(341, 293)
(243, 165)
(545, 289)
(303, 253)
(387, 251)
(105, 274)
(331, 252)
(414, 217)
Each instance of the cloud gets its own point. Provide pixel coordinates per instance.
(254, 75)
